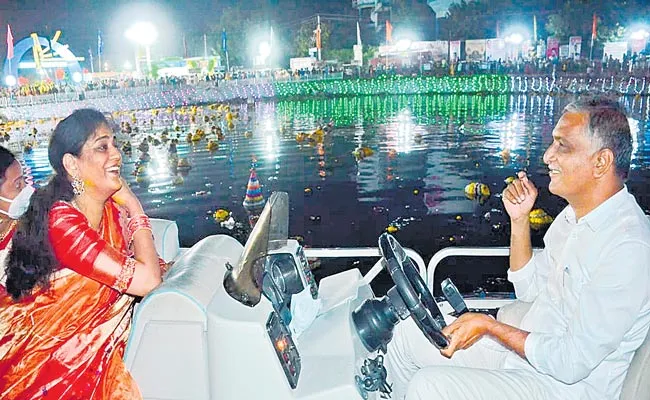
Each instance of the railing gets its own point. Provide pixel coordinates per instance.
(464, 251)
(356, 252)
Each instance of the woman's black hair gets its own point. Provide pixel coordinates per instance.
(6, 159)
(31, 260)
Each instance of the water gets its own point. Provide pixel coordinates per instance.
(426, 150)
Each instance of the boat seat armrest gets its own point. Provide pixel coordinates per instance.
(165, 235)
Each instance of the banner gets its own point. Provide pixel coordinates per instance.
(224, 41)
(495, 50)
(10, 44)
(439, 50)
(454, 50)
(301, 63)
(575, 47)
(552, 47)
(475, 50)
(564, 51)
(100, 43)
(389, 32)
(638, 45)
(357, 50)
(317, 36)
(615, 49)
(358, 34)
(541, 49)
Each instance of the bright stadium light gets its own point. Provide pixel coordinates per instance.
(640, 34)
(515, 38)
(516, 34)
(144, 34)
(404, 44)
(264, 50)
(10, 80)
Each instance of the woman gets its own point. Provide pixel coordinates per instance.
(14, 199)
(65, 321)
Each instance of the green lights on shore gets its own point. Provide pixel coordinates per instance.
(395, 85)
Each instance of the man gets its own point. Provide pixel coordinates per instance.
(588, 289)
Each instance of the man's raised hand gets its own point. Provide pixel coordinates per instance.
(519, 197)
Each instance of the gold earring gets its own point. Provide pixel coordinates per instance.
(78, 186)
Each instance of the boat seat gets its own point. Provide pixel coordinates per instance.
(635, 387)
(165, 235)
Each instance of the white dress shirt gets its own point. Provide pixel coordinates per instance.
(590, 289)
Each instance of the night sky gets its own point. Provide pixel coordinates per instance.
(79, 20)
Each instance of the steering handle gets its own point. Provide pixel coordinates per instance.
(413, 291)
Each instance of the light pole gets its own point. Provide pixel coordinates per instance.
(144, 34)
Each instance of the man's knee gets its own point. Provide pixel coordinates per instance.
(435, 383)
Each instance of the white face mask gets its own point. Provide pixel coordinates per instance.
(18, 205)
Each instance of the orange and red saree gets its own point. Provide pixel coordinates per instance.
(67, 341)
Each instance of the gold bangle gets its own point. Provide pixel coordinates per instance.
(126, 275)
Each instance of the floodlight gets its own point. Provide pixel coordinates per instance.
(10, 80)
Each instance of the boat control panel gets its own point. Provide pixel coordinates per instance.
(286, 275)
(285, 348)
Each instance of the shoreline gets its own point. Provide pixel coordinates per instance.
(237, 91)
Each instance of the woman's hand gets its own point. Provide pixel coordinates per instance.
(125, 198)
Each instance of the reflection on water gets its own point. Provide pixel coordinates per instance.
(425, 150)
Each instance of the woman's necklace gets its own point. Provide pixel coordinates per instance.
(9, 229)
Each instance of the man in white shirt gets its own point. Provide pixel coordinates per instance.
(589, 288)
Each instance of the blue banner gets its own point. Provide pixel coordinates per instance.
(224, 41)
(100, 43)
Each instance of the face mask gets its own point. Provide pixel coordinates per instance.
(304, 310)
(19, 204)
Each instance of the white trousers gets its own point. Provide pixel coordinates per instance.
(417, 370)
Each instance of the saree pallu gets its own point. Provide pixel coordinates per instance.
(67, 341)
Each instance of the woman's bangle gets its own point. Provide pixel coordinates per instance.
(136, 223)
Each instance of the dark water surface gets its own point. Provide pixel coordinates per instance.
(426, 150)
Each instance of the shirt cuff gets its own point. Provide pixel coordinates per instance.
(530, 349)
(524, 273)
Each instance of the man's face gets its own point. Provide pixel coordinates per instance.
(570, 158)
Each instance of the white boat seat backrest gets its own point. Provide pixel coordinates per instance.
(636, 385)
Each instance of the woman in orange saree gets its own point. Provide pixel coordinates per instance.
(65, 319)
(14, 199)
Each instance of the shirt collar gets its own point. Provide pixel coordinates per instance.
(598, 216)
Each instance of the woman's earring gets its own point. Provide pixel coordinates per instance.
(78, 186)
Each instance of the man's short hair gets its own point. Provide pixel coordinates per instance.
(608, 128)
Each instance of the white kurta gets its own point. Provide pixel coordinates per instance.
(590, 295)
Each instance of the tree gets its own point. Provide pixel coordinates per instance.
(240, 25)
(469, 20)
(341, 55)
(576, 17)
(413, 17)
(306, 39)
